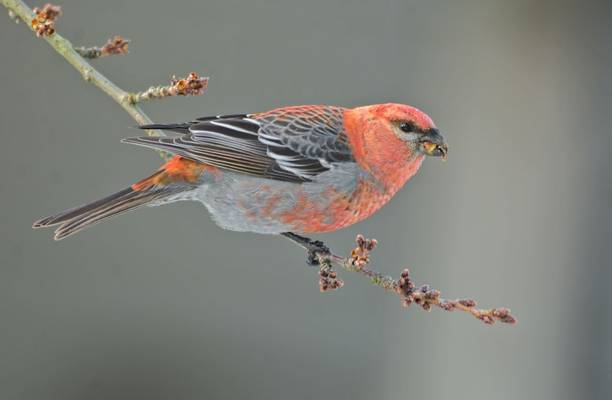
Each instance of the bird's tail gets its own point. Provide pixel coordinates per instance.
(167, 182)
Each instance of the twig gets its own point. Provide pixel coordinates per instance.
(404, 287)
(89, 73)
(192, 85)
(43, 24)
(114, 46)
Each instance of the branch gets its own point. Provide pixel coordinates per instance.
(404, 287)
(42, 22)
(87, 71)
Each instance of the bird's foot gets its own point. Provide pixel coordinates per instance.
(315, 249)
(319, 255)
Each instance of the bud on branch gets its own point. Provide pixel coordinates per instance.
(43, 23)
(192, 85)
(114, 46)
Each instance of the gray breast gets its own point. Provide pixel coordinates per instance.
(251, 204)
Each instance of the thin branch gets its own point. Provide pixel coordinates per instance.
(404, 287)
(42, 22)
(114, 46)
(87, 71)
(192, 85)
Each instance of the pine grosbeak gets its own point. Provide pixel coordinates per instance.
(302, 169)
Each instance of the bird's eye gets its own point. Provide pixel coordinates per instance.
(407, 127)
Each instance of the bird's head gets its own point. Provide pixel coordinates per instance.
(412, 127)
(391, 140)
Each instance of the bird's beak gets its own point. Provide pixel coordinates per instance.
(433, 144)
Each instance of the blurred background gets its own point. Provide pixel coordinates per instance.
(162, 304)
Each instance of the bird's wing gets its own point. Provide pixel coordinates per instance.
(291, 144)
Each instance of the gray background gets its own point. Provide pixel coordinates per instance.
(162, 304)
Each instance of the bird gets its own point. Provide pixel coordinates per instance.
(292, 171)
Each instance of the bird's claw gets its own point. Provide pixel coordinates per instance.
(316, 249)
